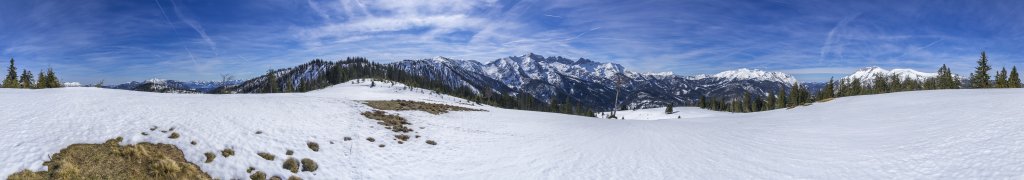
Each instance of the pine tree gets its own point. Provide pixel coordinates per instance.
(12, 77)
(980, 77)
(1014, 78)
(26, 79)
(668, 109)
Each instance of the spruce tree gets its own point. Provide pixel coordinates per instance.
(26, 79)
(668, 109)
(1001, 79)
(271, 82)
(12, 77)
(980, 77)
(52, 81)
(41, 80)
(1014, 78)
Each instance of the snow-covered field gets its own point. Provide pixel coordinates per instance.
(659, 113)
(944, 134)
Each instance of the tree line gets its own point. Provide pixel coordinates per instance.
(881, 83)
(28, 81)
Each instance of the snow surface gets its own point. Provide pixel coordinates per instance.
(659, 113)
(942, 134)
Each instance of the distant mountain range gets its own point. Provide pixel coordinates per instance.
(172, 86)
(591, 83)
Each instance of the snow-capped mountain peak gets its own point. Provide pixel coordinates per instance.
(868, 74)
(755, 74)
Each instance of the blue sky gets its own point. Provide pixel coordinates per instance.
(118, 41)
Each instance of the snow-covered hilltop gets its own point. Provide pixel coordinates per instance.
(939, 134)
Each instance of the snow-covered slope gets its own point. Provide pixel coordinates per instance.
(940, 134)
(659, 113)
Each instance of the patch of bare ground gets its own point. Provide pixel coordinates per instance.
(403, 105)
(112, 161)
(394, 122)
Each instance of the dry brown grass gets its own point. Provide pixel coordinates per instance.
(174, 136)
(259, 175)
(291, 165)
(227, 152)
(210, 156)
(313, 146)
(402, 137)
(112, 161)
(294, 178)
(267, 156)
(394, 122)
(403, 105)
(308, 165)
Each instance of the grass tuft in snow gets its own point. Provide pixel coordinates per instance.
(174, 136)
(289, 152)
(313, 146)
(112, 161)
(259, 175)
(370, 139)
(209, 156)
(403, 105)
(267, 156)
(308, 165)
(291, 165)
(348, 138)
(294, 178)
(431, 142)
(394, 122)
(227, 152)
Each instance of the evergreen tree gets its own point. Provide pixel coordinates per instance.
(41, 80)
(1001, 79)
(945, 79)
(26, 79)
(794, 95)
(880, 86)
(12, 77)
(51, 79)
(668, 109)
(829, 90)
(980, 77)
(1014, 78)
(781, 102)
(271, 82)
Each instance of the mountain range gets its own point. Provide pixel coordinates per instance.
(555, 78)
